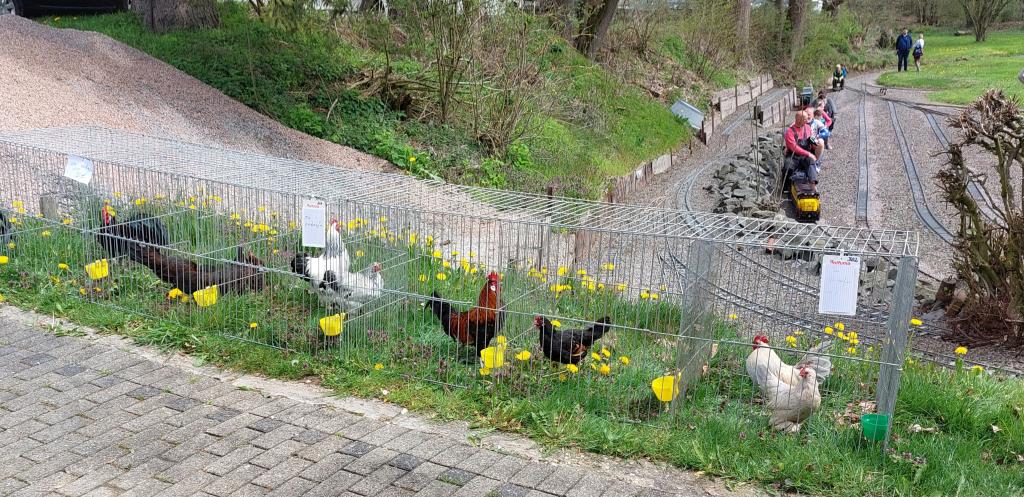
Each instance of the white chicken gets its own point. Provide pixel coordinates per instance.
(330, 279)
(763, 359)
(791, 392)
(791, 405)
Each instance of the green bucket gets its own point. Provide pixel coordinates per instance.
(874, 426)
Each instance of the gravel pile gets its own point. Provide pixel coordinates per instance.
(62, 77)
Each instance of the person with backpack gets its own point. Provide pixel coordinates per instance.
(918, 51)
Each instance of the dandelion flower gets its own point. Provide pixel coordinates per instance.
(253, 325)
(595, 356)
(423, 277)
(455, 253)
(12, 246)
(442, 276)
(140, 201)
(644, 295)
(852, 350)
(791, 341)
(624, 360)
(429, 241)
(733, 317)
(852, 335)
(600, 286)
(82, 291)
(961, 351)
(360, 253)
(854, 341)
(412, 158)
(175, 293)
(261, 209)
(572, 368)
(608, 266)
(582, 272)
(4, 260)
(605, 370)
(436, 254)
(485, 371)
(562, 377)
(655, 296)
(17, 204)
(67, 221)
(605, 352)
(446, 264)
(412, 238)
(829, 330)
(840, 326)
(378, 366)
(523, 356)
(977, 369)
(562, 270)
(472, 254)
(916, 322)
(45, 234)
(593, 366)
(382, 219)
(63, 267)
(556, 323)
(663, 288)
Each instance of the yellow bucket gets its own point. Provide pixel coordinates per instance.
(332, 326)
(98, 270)
(205, 297)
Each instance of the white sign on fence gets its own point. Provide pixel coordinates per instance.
(79, 169)
(314, 224)
(840, 280)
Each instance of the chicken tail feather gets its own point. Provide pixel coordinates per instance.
(600, 327)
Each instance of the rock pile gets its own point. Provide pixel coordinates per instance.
(745, 184)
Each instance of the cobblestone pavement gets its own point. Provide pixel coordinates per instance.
(78, 417)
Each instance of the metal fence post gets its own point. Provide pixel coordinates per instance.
(695, 330)
(897, 334)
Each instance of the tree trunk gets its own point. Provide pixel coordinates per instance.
(797, 9)
(161, 16)
(743, 26)
(595, 28)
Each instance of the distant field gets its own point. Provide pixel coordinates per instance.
(959, 69)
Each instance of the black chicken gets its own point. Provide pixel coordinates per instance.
(246, 274)
(118, 238)
(569, 346)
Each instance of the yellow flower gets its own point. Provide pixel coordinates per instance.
(562, 270)
(572, 368)
(261, 209)
(253, 326)
(600, 286)
(83, 291)
(21, 210)
(45, 234)
(55, 280)
(854, 341)
(360, 253)
(455, 253)
(472, 254)
(852, 350)
(842, 336)
(412, 238)
(140, 201)
(97, 290)
(442, 276)
(593, 366)
(67, 221)
(412, 158)
(655, 296)
(582, 272)
(485, 371)
(378, 366)
(733, 317)
(501, 339)
(977, 369)
(608, 266)
(446, 264)
(799, 333)
(17, 204)
(852, 335)
(12, 246)
(429, 241)
(175, 293)
(556, 323)
(292, 225)
(436, 254)
(523, 356)
(275, 252)
(840, 326)
(605, 352)
(644, 295)
(916, 322)
(595, 356)
(791, 341)
(624, 360)
(543, 270)
(4, 260)
(961, 351)
(63, 267)
(605, 370)
(663, 288)
(117, 194)
(192, 207)
(829, 330)
(423, 277)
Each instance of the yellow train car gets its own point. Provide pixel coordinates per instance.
(806, 201)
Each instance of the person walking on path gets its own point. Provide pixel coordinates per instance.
(918, 51)
(903, 45)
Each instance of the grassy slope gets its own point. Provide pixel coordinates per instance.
(960, 69)
(719, 430)
(295, 78)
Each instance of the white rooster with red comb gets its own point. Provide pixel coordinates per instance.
(791, 392)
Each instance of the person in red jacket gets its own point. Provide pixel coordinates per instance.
(798, 154)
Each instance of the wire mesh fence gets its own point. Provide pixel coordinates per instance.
(636, 314)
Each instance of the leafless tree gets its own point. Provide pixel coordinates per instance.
(981, 14)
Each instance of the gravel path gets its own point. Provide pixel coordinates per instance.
(838, 180)
(63, 77)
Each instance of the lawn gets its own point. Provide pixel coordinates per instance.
(596, 127)
(394, 349)
(959, 69)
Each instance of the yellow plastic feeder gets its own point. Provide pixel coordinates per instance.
(98, 270)
(205, 297)
(665, 388)
(332, 326)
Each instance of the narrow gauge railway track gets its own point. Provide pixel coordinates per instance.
(974, 189)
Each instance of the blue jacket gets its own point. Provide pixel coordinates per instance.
(903, 43)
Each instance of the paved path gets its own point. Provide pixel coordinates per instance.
(80, 417)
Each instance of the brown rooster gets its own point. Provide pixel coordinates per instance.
(477, 326)
(246, 274)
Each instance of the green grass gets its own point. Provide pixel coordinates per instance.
(597, 129)
(959, 69)
(718, 429)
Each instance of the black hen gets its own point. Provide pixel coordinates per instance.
(118, 238)
(569, 346)
(246, 274)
